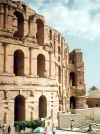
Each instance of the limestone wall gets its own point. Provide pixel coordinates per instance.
(80, 117)
(34, 63)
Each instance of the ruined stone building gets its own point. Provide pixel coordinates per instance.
(38, 75)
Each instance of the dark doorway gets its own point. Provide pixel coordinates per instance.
(72, 102)
(19, 108)
(42, 107)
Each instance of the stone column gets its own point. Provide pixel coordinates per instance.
(5, 58)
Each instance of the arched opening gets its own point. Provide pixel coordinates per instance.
(41, 65)
(19, 25)
(72, 79)
(72, 102)
(59, 74)
(19, 63)
(42, 107)
(40, 32)
(19, 108)
(50, 34)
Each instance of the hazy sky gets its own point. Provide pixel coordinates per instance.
(79, 22)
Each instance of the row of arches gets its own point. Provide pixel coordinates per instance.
(19, 64)
(19, 110)
(19, 27)
(19, 107)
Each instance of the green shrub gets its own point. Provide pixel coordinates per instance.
(20, 125)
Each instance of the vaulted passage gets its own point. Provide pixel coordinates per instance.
(41, 65)
(42, 107)
(19, 108)
(19, 63)
(72, 102)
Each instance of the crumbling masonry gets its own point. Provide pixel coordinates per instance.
(38, 75)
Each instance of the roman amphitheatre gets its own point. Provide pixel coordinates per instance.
(39, 77)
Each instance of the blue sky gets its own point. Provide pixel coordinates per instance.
(79, 22)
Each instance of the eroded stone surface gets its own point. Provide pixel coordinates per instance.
(38, 75)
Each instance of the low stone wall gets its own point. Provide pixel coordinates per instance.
(80, 117)
(89, 113)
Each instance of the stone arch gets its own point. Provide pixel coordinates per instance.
(19, 63)
(72, 79)
(42, 107)
(40, 32)
(72, 102)
(18, 24)
(19, 109)
(41, 65)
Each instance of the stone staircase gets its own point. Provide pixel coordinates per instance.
(94, 124)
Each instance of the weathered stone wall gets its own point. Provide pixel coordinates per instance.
(80, 117)
(34, 64)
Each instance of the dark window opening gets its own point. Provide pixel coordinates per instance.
(18, 63)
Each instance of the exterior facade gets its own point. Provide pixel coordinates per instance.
(38, 75)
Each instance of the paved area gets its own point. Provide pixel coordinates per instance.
(62, 132)
(59, 132)
(68, 132)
